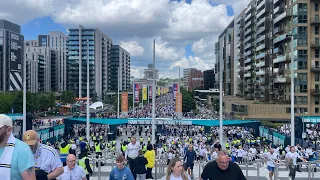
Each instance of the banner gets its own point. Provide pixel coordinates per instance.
(144, 93)
(150, 92)
(179, 102)
(159, 91)
(136, 93)
(175, 90)
(124, 102)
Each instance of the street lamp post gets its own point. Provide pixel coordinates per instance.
(88, 94)
(292, 94)
(154, 93)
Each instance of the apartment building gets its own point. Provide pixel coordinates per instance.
(195, 79)
(97, 51)
(41, 67)
(57, 41)
(11, 56)
(120, 58)
(208, 79)
(185, 78)
(274, 32)
(225, 55)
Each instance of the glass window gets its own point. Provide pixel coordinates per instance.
(316, 7)
(303, 18)
(317, 76)
(316, 100)
(316, 53)
(316, 30)
(316, 110)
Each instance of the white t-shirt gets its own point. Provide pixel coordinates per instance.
(214, 155)
(77, 173)
(293, 156)
(271, 157)
(47, 158)
(177, 178)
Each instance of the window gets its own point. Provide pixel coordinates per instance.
(302, 18)
(302, 53)
(302, 77)
(317, 100)
(317, 76)
(316, 7)
(316, 110)
(316, 30)
(302, 65)
(302, 30)
(316, 53)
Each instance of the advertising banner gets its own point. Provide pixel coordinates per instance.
(136, 93)
(175, 90)
(144, 93)
(159, 91)
(179, 102)
(150, 92)
(15, 62)
(124, 102)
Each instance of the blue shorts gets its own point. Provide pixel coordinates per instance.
(270, 168)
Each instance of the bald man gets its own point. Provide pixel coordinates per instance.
(71, 170)
(222, 168)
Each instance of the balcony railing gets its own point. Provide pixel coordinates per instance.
(282, 80)
(315, 21)
(280, 17)
(247, 60)
(315, 68)
(260, 38)
(260, 64)
(280, 38)
(262, 20)
(281, 59)
(262, 46)
(247, 68)
(262, 3)
(315, 92)
(261, 55)
(261, 13)
(261, 72)
(315, 44)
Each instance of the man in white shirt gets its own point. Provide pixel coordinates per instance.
(72, 171)
(131, 153)
(292, 159)
(47, 160)
(271, 159)
(240, 154)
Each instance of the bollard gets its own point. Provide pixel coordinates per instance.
(155, 169)
(309, 171)
(276, 172)
(258, 168)
(314, 167)
(247, 171)
(99, 169)
(94, 164)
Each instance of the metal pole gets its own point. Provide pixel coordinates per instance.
(24, 104)
(133, 98)
(220, 104)
(179, 113)
(292, 96)
(154, 93)
(88, 94)
(118, 104)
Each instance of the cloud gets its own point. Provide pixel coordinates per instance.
(133, 47)
(192, 62)
(237, 5)
(165, 52)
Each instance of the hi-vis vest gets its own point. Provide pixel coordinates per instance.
(227, 145)
(64, 152)
(149, 139)
(124, 148)
(141, 139)
(97, 147)
(82, 163)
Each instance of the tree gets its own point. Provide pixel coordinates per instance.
(68, 97)
(188, 102)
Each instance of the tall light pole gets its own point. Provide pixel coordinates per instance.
(88, 93)
(179, 105)
(220, 102)
(24, 104)
(292, 95)
(133, 98)
(154, 94)
(118, 104)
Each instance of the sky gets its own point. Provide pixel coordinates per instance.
(185, 30)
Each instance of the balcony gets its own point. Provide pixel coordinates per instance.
(248, 24)
(261, 30)
(247, 61)
(315, 68)
(315, 92)
(314, 21)
(260, 38)
(249, 97)
(277, 50)
(262, 20)
(262, 46)
(261, 64)
(261, 55)
(315, 44)
(248, 17)
(275, 10)
(247, 32)
(280, 38)
(247, 53)
(247, 68)
(247, 74)
(280, 17)
(247, 39)
(275, 1)
(261, 13)
(280, 59)
(275, 70)
(260, 72)
(247, 46)
(282, 80)
(262, 3)
(277, 30)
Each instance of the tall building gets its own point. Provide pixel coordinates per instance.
(41, 67)
(268, 27)
(185, 78)
(148, 73)
(119, 58)
(195, 79)
(98, 53)
(208, 79)
(11, 56)
(57, 41)
(225, 56)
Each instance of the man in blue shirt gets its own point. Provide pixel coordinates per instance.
(15, 156)
(189, 158)
(121, 172)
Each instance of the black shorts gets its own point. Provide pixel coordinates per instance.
(190, 165)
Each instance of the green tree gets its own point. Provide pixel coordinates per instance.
(46, 100)
(6, 102)
(188, 102)
(68, 97)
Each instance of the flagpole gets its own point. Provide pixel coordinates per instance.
(88, 93)
(154, 94)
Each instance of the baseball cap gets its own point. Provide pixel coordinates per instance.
(5, 121)
(30, 137)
